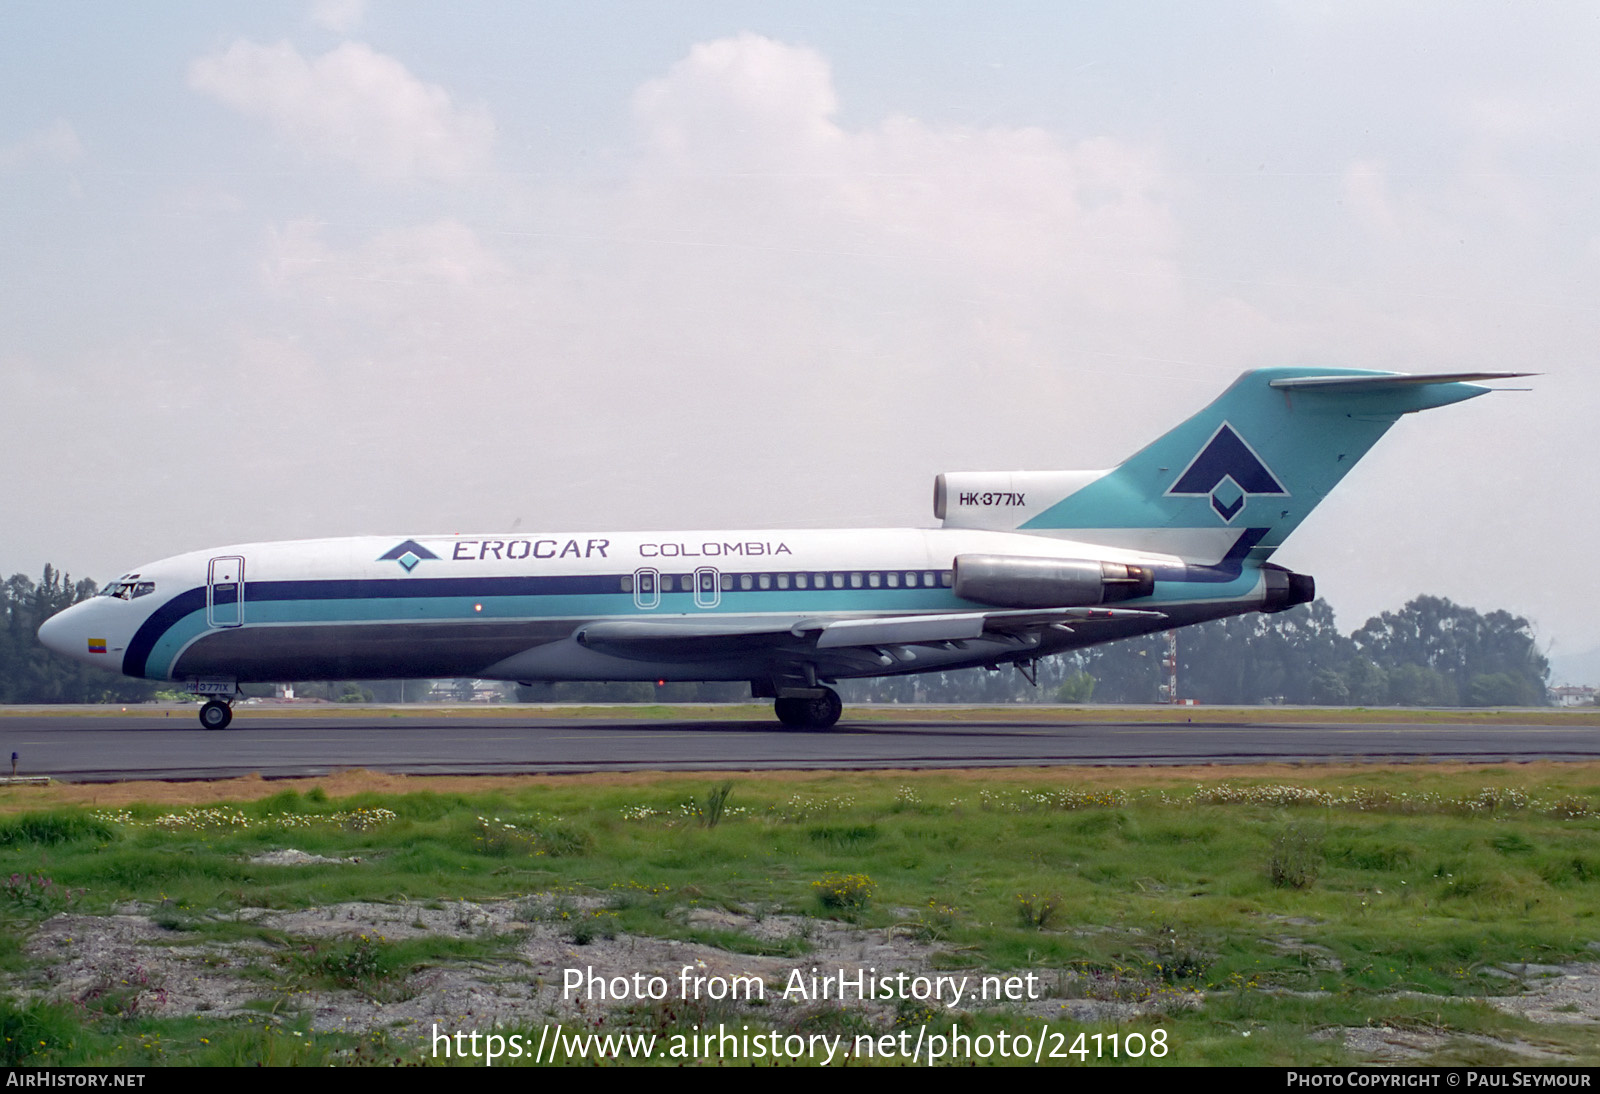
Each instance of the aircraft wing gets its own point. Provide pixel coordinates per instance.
(902, 629)
(696, 638)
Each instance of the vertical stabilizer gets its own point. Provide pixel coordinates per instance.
(1244, 472)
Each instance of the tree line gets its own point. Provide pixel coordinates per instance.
(1432, 652)
(29, 673)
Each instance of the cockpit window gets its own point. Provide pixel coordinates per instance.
(127, 589)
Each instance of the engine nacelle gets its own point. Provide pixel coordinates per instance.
(1285, 588)
(1011, 582)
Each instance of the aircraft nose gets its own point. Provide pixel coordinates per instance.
(61, 634)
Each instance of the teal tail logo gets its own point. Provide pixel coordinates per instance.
(1228, 471)
(1289, 434)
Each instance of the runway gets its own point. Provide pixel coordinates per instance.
(139, 746)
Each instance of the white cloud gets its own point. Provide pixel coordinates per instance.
(755, 253)
(741, 142)
(55, 143)
(753, 229)
(741, 104)
(351, 104)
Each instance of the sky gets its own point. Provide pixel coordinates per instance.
(291, 270)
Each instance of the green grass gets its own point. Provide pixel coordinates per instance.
(1345, 892)
(49, 829)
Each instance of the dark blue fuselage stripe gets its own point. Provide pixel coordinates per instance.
(160, 622)
(175, 610)
(396, 588)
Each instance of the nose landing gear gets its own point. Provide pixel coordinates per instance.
(220, 692)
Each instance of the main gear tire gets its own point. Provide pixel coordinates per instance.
(814, 713)
(215, 715)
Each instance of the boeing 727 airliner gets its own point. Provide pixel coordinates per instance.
(1024, 565)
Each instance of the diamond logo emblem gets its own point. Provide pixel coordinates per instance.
(1227, 499)
(408, 555)
(1228, 472)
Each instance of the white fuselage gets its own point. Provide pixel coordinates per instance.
(508, 606)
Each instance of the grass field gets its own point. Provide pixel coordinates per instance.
(1264, 918)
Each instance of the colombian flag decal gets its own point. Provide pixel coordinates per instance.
(97, 645)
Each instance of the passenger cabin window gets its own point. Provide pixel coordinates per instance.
(783, 581)
(746, 582)
(765, 581)
(800, 581)
(893, 579)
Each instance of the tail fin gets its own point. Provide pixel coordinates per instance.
(1242, 474)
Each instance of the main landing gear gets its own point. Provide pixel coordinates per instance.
(818, 712)
(216, 715)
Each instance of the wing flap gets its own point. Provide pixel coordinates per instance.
(691, 639)
(953, 627)
(698, 637)
(650, 630)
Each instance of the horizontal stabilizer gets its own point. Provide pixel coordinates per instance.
(1349, 385)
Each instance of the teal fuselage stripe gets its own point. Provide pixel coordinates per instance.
(165, 649)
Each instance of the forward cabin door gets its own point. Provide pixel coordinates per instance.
(225, 591)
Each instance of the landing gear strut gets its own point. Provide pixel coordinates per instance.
(216, 715)
(819, 712)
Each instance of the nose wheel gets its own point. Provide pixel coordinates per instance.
(215, 715)
(812, 713)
